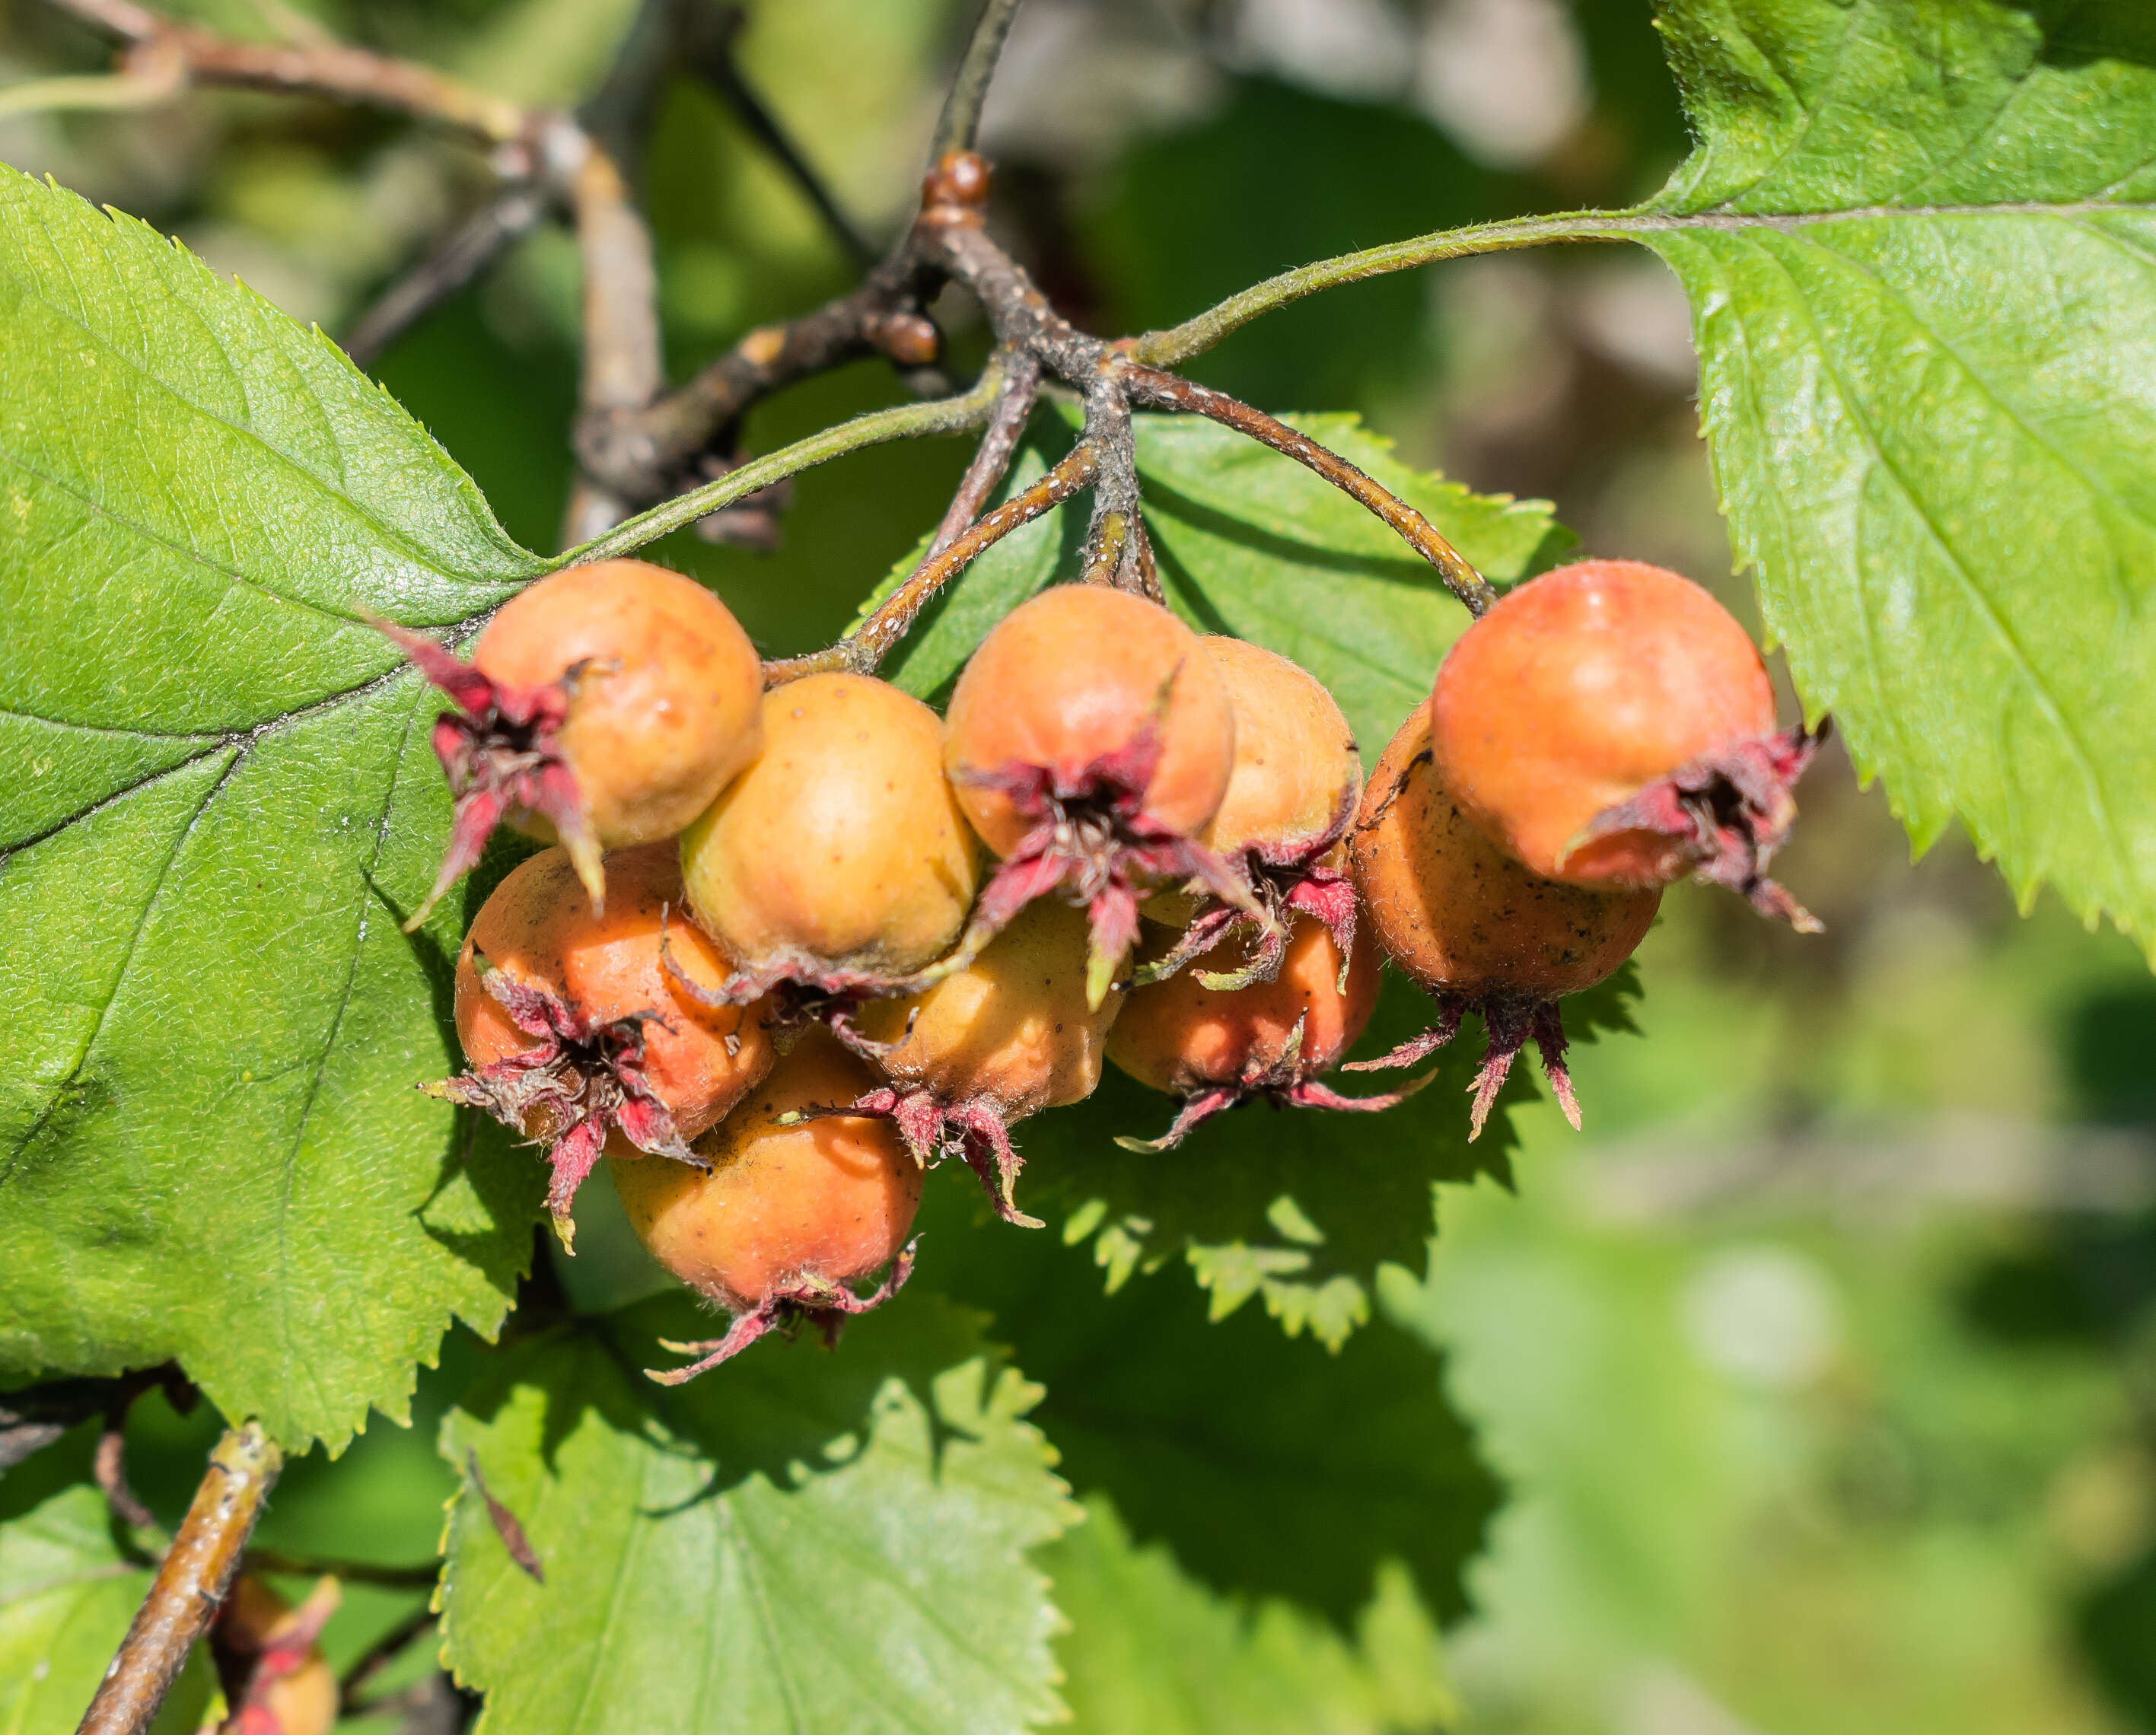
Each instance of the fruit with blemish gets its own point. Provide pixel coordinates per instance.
(1273, 1040)
(840, 860)
(1292, 791)
(1009, 1035)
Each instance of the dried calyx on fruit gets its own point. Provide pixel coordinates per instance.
(606, 705)
(789, 1212)
(1474, 927)
(1272, 1039)
(1091, 738)
(1009, 1035)
(1279, 827)
(838, 862)
(576, 1037)
(1612, 725)
(269, 1660)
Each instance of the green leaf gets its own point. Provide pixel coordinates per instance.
(1920, 241)
(1150, 1649)
(1271, 1467)
(210, 1147)
(796, 1540)
(67, 1593)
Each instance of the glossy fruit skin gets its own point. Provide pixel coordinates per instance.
(1297, 773)
(538, 927)
(1576, 691)
(1181, 1037)
(843, 847)
(822, 1201)
(1459, 914)
(1075, 676)
(665, 714)
(1013, 1027)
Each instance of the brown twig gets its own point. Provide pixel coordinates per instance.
(351, 1686)
(458, 258)
(1169, 391)
(641, 452)
(958, 127)
(190, 1583)
(1020, 390)
(624, 364)
(622, 369)
(861, 650)
(108, 1467)
(333, 70)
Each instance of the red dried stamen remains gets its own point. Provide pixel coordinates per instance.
(500, 752)
(1282, 1078)
(1727, 812)
(811, 1302)
(1094, 844)
(973, 1130)
(1509, 1021)
(581, 1078)
(1282, 880)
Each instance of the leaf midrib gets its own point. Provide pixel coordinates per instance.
(1990, 610)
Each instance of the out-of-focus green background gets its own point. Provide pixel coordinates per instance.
(1823, 1366)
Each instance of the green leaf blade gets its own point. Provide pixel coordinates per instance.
(210, 1146)
(1923, 273)
(67, 1594)
(800, 1540)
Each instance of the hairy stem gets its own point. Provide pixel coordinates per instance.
(1197, 335)
(902, 421)
(1168, 391)
(864, 648)
(189, 1585)
(960, 123)
(1019, 390)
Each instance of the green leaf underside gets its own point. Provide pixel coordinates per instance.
(1252, 544)
(1934, 420)
(797, 1541)
(210, 1146)
(1150, 1650)
(66, 1596)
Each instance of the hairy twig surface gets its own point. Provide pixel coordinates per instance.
(189, 1585)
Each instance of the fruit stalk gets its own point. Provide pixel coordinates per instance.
(189, 1585)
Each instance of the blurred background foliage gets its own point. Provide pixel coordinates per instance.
(1820, 1373)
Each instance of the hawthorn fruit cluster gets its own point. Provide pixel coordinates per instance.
(794, 946)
